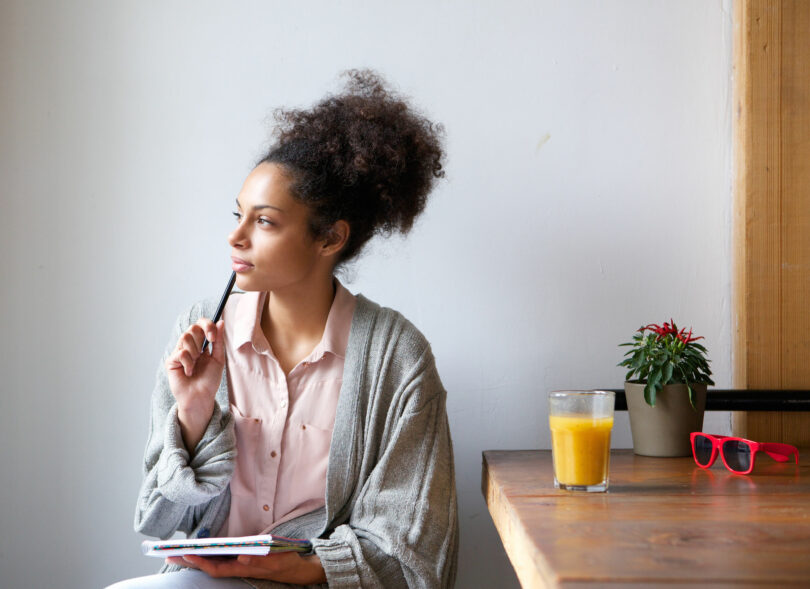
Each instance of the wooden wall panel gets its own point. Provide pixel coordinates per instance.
(795, 67)
(772, 209)
(795, 269)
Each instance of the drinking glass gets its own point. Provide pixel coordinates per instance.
(581, 422)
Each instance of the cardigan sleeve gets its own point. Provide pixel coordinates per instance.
(403, 529)
(178, 485)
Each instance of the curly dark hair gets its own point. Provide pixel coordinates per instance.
(363, 156)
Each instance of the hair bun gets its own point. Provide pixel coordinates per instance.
(362, 155)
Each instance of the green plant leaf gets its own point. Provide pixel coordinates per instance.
(655, 377)
(667, 373)
(654, 384)
(649, 394)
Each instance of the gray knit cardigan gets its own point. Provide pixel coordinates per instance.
(390, 518)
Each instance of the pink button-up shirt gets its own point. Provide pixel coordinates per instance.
(283, 423)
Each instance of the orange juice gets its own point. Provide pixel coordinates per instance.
(580, 446)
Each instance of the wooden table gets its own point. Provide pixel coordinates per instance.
(664, 521)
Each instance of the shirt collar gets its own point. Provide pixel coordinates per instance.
(248, 319)
(338, 324)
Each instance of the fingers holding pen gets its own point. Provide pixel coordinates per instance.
(217, 342)
(189, 345)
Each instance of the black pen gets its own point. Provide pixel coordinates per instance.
(221, 307)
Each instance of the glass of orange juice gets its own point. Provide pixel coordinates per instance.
(581, 422)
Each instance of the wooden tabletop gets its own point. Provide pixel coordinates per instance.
(663, 521)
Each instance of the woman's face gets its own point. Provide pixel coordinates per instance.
(272, 247)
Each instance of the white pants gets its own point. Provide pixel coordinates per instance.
(185, 579)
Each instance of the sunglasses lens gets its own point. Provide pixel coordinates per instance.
(737, 455)
(703, 450)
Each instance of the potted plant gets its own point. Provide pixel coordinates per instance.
(665, 388)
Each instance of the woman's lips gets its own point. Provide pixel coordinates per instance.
(239, 265)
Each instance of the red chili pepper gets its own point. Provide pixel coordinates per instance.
(669, 328)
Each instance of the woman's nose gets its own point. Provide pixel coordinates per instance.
(237, 237)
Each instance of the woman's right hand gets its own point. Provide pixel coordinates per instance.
(194, 377)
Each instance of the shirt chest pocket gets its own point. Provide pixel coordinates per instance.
(248, 431)
(315, 404)
(312, 421)
(311, 445)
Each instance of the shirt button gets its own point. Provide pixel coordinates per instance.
(266, 507)
(303, 427)
(256, 419)
(273, 454)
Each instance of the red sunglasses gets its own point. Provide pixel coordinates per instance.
(738, 454)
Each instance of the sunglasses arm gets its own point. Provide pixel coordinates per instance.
(780, 452)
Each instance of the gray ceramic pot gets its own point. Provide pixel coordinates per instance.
(664, 430)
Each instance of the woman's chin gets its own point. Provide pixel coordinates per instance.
(246, 283)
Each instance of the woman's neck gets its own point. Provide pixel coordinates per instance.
(294, 322)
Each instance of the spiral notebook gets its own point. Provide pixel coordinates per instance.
(262, 544)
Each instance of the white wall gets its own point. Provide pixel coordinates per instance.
(588, 192)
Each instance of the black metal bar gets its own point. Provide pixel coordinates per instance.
(743, 400)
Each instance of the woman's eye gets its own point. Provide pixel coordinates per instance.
(261, 220)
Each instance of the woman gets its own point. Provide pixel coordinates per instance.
(317, 413)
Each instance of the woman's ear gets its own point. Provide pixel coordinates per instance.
(336, 238)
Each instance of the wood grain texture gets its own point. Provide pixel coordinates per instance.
(664, 521)
(771, 335)
(795, 138)
(740, 139)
